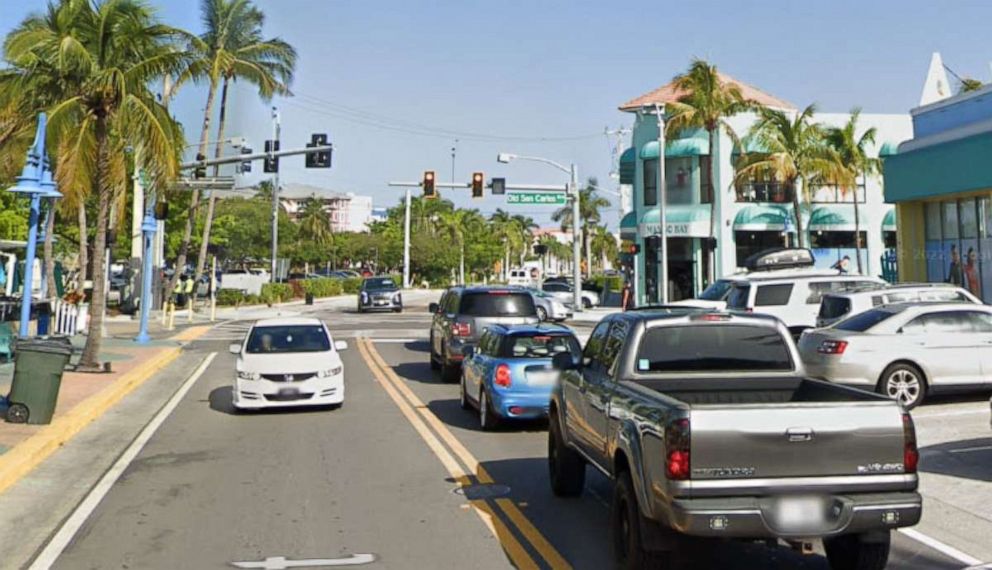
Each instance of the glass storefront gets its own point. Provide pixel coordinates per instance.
(958, 244)
(681, 271)
(749, 243)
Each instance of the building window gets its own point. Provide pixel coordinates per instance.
(932, 213)
(833, 194)
(651, 182)
(749, 243)
(705, 180)
(950, 220)
(889, 239)
(835, 240)
(759, 191)
(968, 216)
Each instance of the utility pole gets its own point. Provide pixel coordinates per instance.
(619, 134)
(453, 151)
(406, 243)
(662, 205)
(576, 240)
(275, 196)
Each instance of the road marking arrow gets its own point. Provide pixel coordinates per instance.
(283, 563)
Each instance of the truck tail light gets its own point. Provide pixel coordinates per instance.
(832, 347)
(910, 454)
(461, 329)
(503, 376)
(677, 440)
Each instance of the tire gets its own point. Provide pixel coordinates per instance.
(904, 383)
(852, 552)
(450, 373)
(626, 545)
(398, 310)
(488, 420)
(542, 314)
(18, 414)
(462, 395)
(566, 468)
(586, 303)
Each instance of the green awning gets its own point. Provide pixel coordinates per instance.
(751, 145)
(628, 226)
(674, 148)
(628, 162)
(836, 218)
(889, 221)
(942, 169)
(682, 220)
(888, 149)
(762, 217)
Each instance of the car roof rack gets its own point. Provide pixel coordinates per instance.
(780, 258)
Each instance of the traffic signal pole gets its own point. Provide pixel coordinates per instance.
(576, 241)
(406, 243)
(275, 197)
(662, 204)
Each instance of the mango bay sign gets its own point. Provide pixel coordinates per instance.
(537, 198)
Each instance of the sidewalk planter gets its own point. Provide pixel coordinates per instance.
(38, 367)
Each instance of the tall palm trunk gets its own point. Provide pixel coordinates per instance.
(800, 237)
(49, 258)
(94, 338)
(711, 266)
(857, 224)
(83, 247)
(461, 263)
(195, 200)
(201, 261)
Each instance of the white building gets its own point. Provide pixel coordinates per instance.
(348, 212)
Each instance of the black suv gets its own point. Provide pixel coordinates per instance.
(379, 294)
(462, 315)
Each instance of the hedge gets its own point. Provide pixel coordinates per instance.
(600, 281)
(273, 293)
(323, 287)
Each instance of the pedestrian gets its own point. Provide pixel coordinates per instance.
(628, 296)
(188, 289)
(954, 273)
(178, 292)
(971, 273)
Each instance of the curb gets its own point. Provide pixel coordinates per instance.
(25, 456)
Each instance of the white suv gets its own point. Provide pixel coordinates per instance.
(835, 307)
(795, 300)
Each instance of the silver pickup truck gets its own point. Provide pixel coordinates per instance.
(709, 428)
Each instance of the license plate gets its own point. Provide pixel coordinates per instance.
(380, 303)
(800, 512)
(542, 377)
(289, 391)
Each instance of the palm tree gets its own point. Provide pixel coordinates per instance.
(457, 224)
(505, 229)
(315, 223)
(968, 85)
(233, 48)
(90, 64)
(852, 152)
(793, 154)
(590, 203)
(604, 245)
(707, 103)
(525, 226)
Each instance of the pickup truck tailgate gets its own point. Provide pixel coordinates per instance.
(795, 440)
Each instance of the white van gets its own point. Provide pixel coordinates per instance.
(525, 276)
(835, 307)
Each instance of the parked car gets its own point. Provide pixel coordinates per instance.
(564, 293)
(710, 428)
(905, 351)
(835, 307)
(549, 308)
(288, 362)
(508, 375)
(464, 312)
(380, 294)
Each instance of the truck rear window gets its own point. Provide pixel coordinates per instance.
(713, 348)
(497, 304)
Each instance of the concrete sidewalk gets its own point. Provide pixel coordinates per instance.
(594, 315)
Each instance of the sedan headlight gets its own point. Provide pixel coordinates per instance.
(332, 372)
(397, 299)
(365, 297)
(245, 375)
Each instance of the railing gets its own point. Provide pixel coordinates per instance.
(69, 318)
(832, 194)
(764, 192)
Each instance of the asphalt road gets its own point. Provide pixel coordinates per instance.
(400, 472)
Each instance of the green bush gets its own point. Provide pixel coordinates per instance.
(351, 285)
(600, 281)
(230, 297)
(323, 287)
(273, 293)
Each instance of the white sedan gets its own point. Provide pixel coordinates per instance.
(288, 362)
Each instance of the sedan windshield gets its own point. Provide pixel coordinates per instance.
(717, 291)
(285, 339)
(379, 284)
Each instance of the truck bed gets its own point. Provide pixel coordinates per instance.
(722, 391)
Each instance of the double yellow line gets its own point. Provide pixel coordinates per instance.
(465, 469)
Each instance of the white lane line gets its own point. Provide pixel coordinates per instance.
(970, 449)
(57, 545)
(939, 546)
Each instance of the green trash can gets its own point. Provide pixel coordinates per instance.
(38, 367)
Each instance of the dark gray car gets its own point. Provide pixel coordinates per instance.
(462, 315)
(380, 294)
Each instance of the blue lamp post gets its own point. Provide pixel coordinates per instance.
(148, 226)
(35, 181)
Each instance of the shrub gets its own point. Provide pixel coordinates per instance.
(229, 297)
(276, 293)
(323, 287)
(351, 285)
(600, 281)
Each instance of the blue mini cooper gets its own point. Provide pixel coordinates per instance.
(508, 374)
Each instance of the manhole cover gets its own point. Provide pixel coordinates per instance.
(483, 491)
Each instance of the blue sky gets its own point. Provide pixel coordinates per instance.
(557, 69)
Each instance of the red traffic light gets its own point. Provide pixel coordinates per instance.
(633, 249)
(478, 184)
(428, 184)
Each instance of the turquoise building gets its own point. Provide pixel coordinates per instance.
(744, 218)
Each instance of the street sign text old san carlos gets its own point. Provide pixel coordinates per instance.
(537, 198)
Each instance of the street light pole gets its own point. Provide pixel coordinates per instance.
(148, 227)
(406, 243)
(576, 240)
(275, 197)
(662, 205)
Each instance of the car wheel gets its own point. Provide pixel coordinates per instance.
(18, 414)
(566, 468)
(462, 395)
(854, 552)
(398, 310)
(542, 314)
(625, 530)
(586, 303)
(904, 383)
(488, 419)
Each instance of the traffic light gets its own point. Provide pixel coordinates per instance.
(245, 165)
(271, 163)
(200, 171)
(634, 249)
(477, 184)
(540, 249)
(321, 159)
(499, 186)
(428, 184)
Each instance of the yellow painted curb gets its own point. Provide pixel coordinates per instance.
(28, 454)
(192, 333)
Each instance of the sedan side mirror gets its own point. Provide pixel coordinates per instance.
(564, 361)
(432, 308)
(234, 348)
(340, 345)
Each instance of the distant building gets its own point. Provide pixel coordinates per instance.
(348, 212)
(380, 214)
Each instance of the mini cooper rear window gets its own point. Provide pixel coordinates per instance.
(540, 346)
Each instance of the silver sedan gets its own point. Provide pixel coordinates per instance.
(549, 308)
(905, 351)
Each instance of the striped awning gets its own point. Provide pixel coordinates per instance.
(760, 217)
(693, 146)
(889, 222)
(834, 218)
(628, 226)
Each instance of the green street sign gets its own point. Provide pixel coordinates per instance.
(537, 198)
